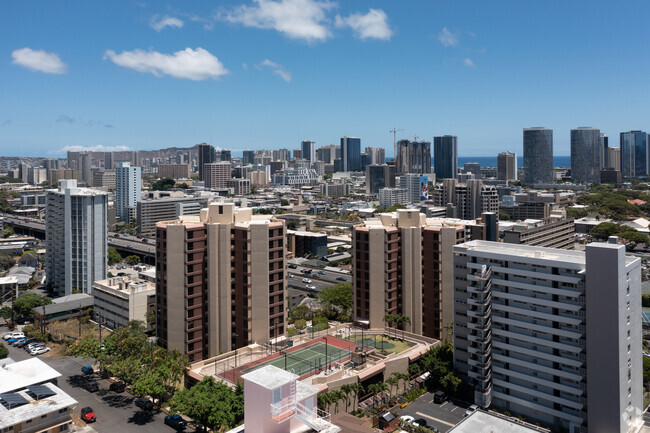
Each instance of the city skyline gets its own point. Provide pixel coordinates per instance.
(117, 76)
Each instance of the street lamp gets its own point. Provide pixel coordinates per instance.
(326, 364)
(234, 334)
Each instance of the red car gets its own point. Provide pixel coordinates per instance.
(88, 415)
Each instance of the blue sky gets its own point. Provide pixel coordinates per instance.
(270, 73)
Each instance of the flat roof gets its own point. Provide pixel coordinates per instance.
(18, 375)
(270, 376)
(35, 408)
(483, 422)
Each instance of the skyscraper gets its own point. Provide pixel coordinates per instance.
(308, 150)
(377, 155)
(614, 158)
(586, 151)
(413, 157)
(470, 199)
(445, 156)
(551, 335)
(378, 177)
(604, 147)
(538, 155)
(351, 153)
(220, 281)
(217, 174)
(128, 190)
(206, 156)
(634, 154)
(76, 232)
(507, 166)
(248, 157)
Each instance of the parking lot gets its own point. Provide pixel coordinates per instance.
(116, 412)
(443, 416)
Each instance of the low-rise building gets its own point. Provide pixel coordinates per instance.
(65, 307)
(30, 401)
(302, 243)
(551, 233)
(119, 300)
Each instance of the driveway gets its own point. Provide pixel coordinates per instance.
(443, 416)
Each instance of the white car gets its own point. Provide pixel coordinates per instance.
(39, 350)
(470, 410)
(310, 287)
(11, 335)
(306, 280)
(407, 419)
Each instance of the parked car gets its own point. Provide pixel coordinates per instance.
(175, 421)
(439, 397)
(292, 266)
(117, 386)
(87, 370)
(15, 341)
(340, 279)
(91, 386)
(14, 335)
(144, 404)
(88, 414)
(39, 351)
(470, 410)
(24, 342)
(407, 418)
(420, 422)
(33, 345)
(306, 280)
(291, 275)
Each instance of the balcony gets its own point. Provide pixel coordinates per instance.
(281, 412)
(483, 396)
(479, 300)
(480, 312)
(480, 325)
(480, 289)
(479, 336)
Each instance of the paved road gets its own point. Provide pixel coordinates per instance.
(443, 416)
(116, 413)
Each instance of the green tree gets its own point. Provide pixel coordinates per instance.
(4, 352)
(646, 369)
(6, 261)
(5, 313)
(337, 298)
(390, 319)
(164, 184)
(403, 321)
(113, 256)
(210, 403)
(299, 312)
(645, 300)
(300, 324)
(24, 303)
(392, 382)
(604, 230)
(132, 260)
(576, 213)
(347, 389)
(504, 216)
(8, 231)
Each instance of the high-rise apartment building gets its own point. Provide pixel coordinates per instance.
(128, 190)
(634, 154)
(445, 156)
(402, 265)
(248, 157)
(586, 153)
(174, 171)
(217, 174)
(614, 158)
(413, 157)
(76, 232)
(468, 200)
(378, 177)
(220, 281)
(108, 160)
(416, 186)
(351, 153)
(377, 155)
(225, 155)
(281, 155)
(604, 148)
(551, 335)
(538, 155)
(206, 156)
(308, 150)
(507, 166)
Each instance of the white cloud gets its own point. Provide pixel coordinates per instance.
(96, 148)
(158, 23)
(447, 38)
(298, 19)
(64, 119)
(468, 62)
(189, 64)
(39, 60)
(277, 69)
(372, 25)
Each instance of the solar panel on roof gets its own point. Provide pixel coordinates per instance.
(12, 399)
(39, 391)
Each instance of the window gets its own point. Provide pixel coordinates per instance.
(277, 395)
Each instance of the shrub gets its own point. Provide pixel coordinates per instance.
(300, 324)
(4, 352)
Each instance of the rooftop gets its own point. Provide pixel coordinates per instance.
(483, 422)
(270, 377)
(18, 375)
(32, 408)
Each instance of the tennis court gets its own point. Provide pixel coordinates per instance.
(306, 359)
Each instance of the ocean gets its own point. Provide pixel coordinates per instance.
(491, 161)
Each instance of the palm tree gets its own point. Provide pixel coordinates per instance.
(407, 380)
(397, 319)
(347, 390)
(392, 382)
(357, 389)
(389, 318)
(404, 320)
(323, 400)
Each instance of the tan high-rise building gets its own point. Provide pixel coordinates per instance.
(403, 266)
(220, 281)
(614, 157)
(217, 174)
(174, 171)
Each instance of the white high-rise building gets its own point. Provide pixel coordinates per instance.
(551, 335)
(128, 190)
(412, 183)
(76, 231)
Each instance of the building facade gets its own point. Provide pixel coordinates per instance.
(351, 153)
(469, 200)
(507, 166)
(76, 232)
(379, 176)
(220, 281)
(149, 212)
(128, 187)
(586, 153)
(391, 196)
(402, 265)
(206, 156)
(308, 150)
(413, 157)
(174, 171)
(119, 300)
(551, 335)
(634, 154)
(614, 158)
(538, 155)
(550, 233)
(445, 156)
(217, 174)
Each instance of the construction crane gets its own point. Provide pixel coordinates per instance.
(394, 131)
(414, 137)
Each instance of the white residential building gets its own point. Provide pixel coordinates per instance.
(119, 300)
(392, 196)
(128, 187)
(414, 188)
(30, 401)
(552, 335)
(76, 231)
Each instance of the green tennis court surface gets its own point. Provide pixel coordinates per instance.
(305, 360)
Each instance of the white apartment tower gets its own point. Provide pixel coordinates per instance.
(76, 231)
(128, 187)
(551, 335)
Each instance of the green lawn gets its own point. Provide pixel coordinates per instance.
(390, 345)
